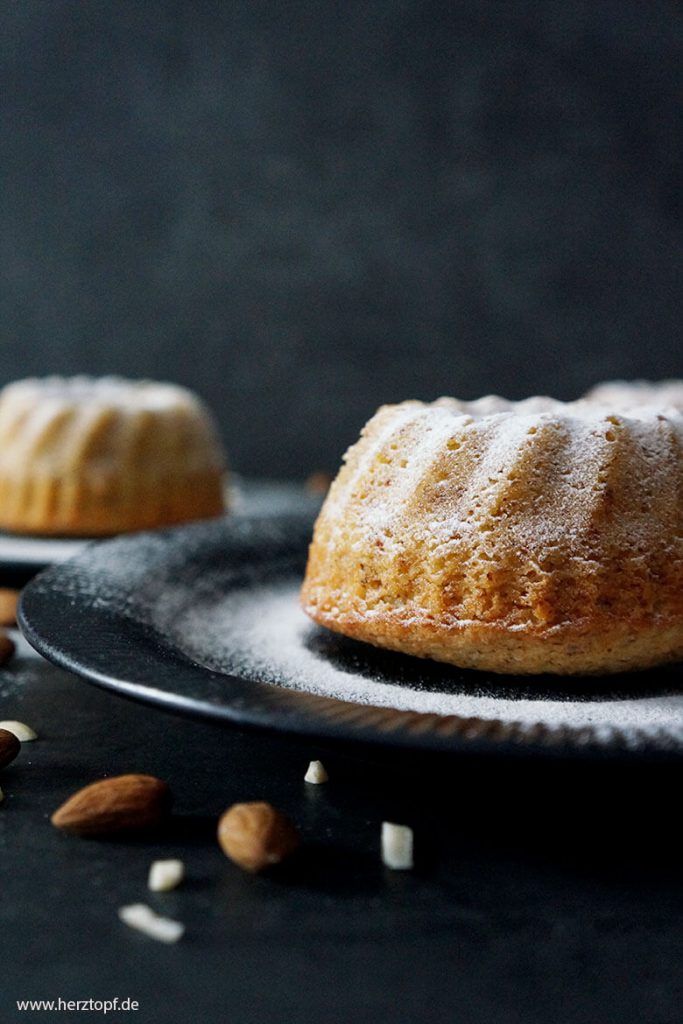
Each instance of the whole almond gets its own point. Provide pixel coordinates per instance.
(122, 803)
(256, 835)
(8, 606)
(6, 647)
(9, 747)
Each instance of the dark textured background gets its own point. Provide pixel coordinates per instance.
(303, 209)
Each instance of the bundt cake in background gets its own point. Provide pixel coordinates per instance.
(625, 394)
(527, 537)
(87, 457)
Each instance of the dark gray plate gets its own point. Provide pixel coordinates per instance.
(204, 619)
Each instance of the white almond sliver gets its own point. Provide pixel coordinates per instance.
(397, 846)
(23, 732)
(165, 875)
(316, 773)
(142, 917)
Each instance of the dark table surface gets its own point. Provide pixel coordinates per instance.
(543, 891)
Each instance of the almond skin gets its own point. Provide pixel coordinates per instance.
(8, 606)
(256, 835)
(123, 803)
(9, 747)
(6, 647)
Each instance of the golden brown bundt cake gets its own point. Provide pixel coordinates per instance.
(85, 457)
(524, 537)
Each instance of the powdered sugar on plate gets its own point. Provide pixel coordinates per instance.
(262, 633)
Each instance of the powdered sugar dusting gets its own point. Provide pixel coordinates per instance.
(262, 634)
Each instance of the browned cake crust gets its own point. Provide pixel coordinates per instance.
(519, 538)
(84, 457)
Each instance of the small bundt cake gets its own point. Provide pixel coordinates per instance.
(621, 395)
(87, 457)
(524, 537)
